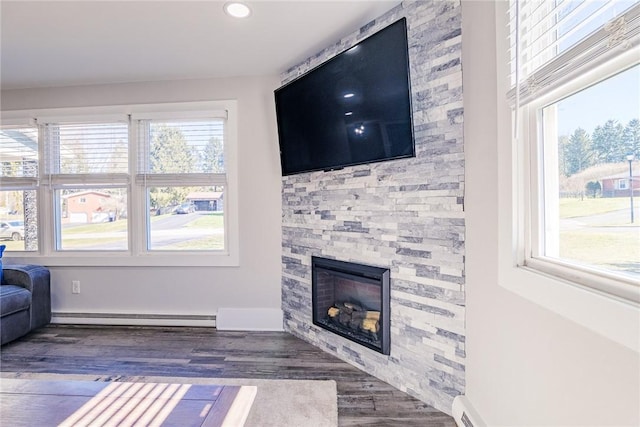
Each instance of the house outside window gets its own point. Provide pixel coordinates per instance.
(568, 60)
(136, 187)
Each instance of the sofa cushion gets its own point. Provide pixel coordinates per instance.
(13, 299)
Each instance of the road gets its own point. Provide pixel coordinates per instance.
(172, 222)
(610, 222)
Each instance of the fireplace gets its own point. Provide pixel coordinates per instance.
(352, 300)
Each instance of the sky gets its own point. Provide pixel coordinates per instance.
(617, 98)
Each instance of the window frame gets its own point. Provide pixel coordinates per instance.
(137, 253)
(534, 159)
(584, 297)
(142, 180)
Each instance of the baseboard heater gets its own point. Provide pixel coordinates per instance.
(465, 414)
(133, 319)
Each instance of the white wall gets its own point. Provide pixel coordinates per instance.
(526, 366)
(188, 290)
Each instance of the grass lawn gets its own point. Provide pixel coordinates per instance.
(103, 227)
(13, 245)
(212, 243)
(611, 251)
(102, 235)
(614, 245)
(98, 243)
(211, 220)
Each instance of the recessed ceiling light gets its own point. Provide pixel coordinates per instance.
(237, 9)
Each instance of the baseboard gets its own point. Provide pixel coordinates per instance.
(464, 413)
(133, 319)
(249, 319)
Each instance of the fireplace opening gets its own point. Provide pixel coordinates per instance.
(352, 300)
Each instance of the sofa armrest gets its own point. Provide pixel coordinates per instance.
(37, 280)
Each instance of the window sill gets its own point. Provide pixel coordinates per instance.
(618, 287)
(95, 259)
(614, 318)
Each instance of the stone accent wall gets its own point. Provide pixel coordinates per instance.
(407, 215)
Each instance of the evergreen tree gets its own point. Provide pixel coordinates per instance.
(631, 138)
(213, 156)
(608, 144)
(169, 153)
(577, 155)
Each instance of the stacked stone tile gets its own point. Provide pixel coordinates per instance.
(407, 215)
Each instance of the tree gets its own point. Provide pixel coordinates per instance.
(118, 157)
(593, 188)
(608, 145)
(213, 156)
(76, 161)
(577, 153)
(631, 138)
(169, 153)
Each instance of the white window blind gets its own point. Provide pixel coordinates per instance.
(87, 148)
(552, 42)
(181, 150)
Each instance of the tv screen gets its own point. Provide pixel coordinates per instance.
(353, 109)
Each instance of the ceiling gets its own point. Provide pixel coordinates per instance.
(62, 43)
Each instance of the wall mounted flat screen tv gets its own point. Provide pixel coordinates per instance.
(353, 109)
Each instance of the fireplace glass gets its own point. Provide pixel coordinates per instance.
(352, 300)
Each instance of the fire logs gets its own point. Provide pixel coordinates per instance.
(355, 317)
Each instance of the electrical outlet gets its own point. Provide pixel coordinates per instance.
(75, 286)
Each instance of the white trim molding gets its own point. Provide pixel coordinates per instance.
(249, 319)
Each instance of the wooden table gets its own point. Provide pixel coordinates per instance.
(92, 403)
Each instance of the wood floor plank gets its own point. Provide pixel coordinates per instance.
(363, 400)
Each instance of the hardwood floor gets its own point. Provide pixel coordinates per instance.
(363, 400)
(75, 403)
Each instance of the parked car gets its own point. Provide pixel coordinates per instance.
(13, 230)
(184, 208)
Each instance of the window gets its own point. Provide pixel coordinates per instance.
(19, 159)
(182, 175)
(576, 90)
(86, 169)
(622, 184)
(130, 185)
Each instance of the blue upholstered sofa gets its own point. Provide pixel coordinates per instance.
(25, 300)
